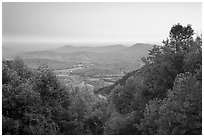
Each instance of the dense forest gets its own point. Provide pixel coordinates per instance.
(162, 97)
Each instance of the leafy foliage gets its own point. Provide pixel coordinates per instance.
(21, 102)
(179, 113)
(35, 102)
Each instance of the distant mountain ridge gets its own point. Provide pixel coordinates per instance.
(101, 49)
(138, 49)
(139, 46)
(119, 57)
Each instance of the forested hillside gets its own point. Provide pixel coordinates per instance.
(162, 97)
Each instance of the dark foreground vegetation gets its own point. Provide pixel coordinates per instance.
(163, 97)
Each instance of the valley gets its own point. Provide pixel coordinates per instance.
(94, 66)
(79, 75)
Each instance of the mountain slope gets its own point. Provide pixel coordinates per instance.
(139, 49)
(101, 49)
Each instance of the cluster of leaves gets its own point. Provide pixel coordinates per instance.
(179, 113)
(164, 96)
(22, 109)
(35, 102)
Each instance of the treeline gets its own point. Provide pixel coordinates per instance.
(35, 102)
(163, 97)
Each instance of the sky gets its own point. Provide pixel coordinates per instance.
(96, 22)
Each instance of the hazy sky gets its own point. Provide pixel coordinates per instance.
(96, 22)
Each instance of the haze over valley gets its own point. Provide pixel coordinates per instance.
(97, 66)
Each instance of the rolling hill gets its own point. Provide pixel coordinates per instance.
(116, 57)
(68, 51)
(101, 49)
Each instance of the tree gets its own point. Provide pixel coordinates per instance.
(180, 41)
(129, 97)
(180, 53)
(21, 104)
(120, 124)
(148, 125)
(179, 113)
(193, 59)
(181, 38)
